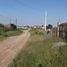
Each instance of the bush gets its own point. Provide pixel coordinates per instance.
(37, 32)
(13, 27)
(1, 25)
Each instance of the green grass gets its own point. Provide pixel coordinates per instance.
(39, 52)
(37, 32)
(6, 33)
(12, 33)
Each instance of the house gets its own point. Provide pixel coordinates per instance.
(36, 27)
(63, 30)
(23, 27)
(60, 30)
(10, 26)
(54, 31)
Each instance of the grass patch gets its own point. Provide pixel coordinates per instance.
(36, 32)
(12, 33)
(8, 33)
(38, 53)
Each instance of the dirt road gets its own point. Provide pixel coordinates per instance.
(11, 46)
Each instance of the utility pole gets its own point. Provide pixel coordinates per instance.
(16, 21)
(10, 21)
(45, 20)
(58, 27)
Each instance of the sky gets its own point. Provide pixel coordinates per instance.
(32, 12)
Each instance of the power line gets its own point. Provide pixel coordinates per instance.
(10, 20)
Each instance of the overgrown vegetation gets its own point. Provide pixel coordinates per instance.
(39, 53)
(9, 31)
(36, 32)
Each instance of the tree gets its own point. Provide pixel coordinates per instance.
(13, 26)
(49, 26)
(1, 25)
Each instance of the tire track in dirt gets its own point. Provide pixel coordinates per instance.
(11, 46)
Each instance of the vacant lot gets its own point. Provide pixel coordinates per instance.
(39, 53)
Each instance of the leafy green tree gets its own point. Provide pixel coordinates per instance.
(49, 26)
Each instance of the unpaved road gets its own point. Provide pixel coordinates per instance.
(11, 46)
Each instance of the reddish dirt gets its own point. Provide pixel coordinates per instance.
(10, 47)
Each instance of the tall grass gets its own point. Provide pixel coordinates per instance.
(38, 53)
(5, 32)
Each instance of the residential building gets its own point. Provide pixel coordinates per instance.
(63, 30)
(54, 31)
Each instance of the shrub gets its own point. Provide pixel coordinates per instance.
(13, 26)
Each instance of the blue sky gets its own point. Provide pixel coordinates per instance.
(32, 12)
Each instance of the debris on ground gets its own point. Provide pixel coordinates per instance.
(58, 44)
